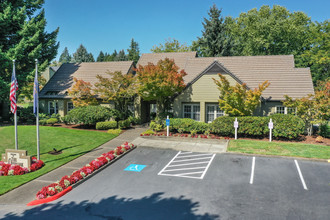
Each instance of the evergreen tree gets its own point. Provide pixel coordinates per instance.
(23, 38)
(215, 40)
(133, 51)
(81, 55)
(170, 45)
(121, 56)
(101, 57)
(65, 56)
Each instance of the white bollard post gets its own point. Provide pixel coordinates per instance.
(168, 125)
(235, 126)
(270, 126)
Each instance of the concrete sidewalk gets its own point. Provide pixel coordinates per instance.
(26, 193)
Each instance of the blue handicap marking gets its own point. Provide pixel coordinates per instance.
(135, 167)
(167, 122)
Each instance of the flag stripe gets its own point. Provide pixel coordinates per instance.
(13, 89)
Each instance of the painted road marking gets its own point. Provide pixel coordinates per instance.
(300, 175)
(194, 165)
(135, 167)
(252, 170)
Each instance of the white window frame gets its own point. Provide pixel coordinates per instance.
(285, 109)
(55, 104)
(192, 111)
(216, 113)
(67, 106)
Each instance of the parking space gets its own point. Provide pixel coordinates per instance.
(222, 188)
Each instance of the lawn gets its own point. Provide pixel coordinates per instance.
(73, 144)
(280, 148)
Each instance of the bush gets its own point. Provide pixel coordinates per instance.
(89, 115)
(114, 131)
(325, 130)
(149, 131)
(224, 126)
(124, 124)
(155, 126)
(43, 121)
(199, 127)
(25, 115)
(52, 121)
(252, 126)
(287, 126)
(106, 125)
(184, 124)
(134, 121)
(43, 116)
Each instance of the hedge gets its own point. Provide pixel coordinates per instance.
(287, 126)
(106, 125)
(124, 124)
(325, 130)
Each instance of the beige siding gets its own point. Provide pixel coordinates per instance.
(267, 108)
(202, 91)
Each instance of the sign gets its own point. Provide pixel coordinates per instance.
(16, 157)
(135, 167)
(270, 125)
(167, 122)
(235, 124)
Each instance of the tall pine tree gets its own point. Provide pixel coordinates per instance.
(81, 55)
(215, 40)
(23, 38)
(65, 56)
(133, 51)
(100, 57)
(121, 56)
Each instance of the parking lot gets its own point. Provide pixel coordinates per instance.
(186, 185)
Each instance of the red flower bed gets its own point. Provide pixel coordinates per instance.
(11, 170)
(83, 172)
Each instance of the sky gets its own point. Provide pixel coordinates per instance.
(110, 25)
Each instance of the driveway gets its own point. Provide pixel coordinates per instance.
(186, 185)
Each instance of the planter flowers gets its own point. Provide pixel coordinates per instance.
(12, 170)
(66, 182)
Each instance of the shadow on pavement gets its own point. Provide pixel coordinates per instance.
(113, 208)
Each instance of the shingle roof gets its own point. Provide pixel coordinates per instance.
(279, 70)
(63, 79)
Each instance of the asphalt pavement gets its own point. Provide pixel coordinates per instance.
(189, 185)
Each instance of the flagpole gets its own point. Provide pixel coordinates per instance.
(37, 118)
(15, 115)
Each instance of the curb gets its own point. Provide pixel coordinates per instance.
(60, 194)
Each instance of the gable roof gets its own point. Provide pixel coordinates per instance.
(279, 70)
(58, 85)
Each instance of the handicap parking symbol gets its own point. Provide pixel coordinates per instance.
(135, 167)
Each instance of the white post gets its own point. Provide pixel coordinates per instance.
(37, 118)
(168, 125)
(235, 126)
(270, 126)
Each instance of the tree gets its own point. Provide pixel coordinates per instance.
(81, 55)
(133, 51)
(23, 38)
(170, 45)
(65, 56)
(121, 56)
(119, 88)
(100, 57)
(238, 100)
(215, 40)
(160, 82)
(81, 93)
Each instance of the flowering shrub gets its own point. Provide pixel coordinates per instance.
(11, 170)
(83, 172)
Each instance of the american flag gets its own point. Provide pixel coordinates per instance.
(13, 89)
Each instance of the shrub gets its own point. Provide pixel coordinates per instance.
(252, 126)
(134, 121)
(57, 116)
(25, 115)
(155, 126)
(199, 127)
(106, 125)
(52, 121)
(43, 116)
(89, 115)
(124, 124)
(325, 130)
(184, 124)
(114, 131)
(287, 126)
(223, 125)
(149, 131)
(43, 121)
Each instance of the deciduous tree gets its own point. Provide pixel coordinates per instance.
(170, 45)
(160, 82)
(119, 88)
(81, 93)
(238, 100)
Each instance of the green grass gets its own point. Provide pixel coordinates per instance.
(73, 144)
(280, 148)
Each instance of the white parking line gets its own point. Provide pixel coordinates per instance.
(207, 167)
(196, 155)
(192, 159)
(192, 168)
(186, 164)
(252, 170)
(183, 153)
(169, 162)
(300, 175)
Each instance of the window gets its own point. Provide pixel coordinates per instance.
(285, 110)
(52, 107)
(191, 111)
(212, 112)
(70, 106)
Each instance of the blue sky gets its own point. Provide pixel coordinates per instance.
(111, 24)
